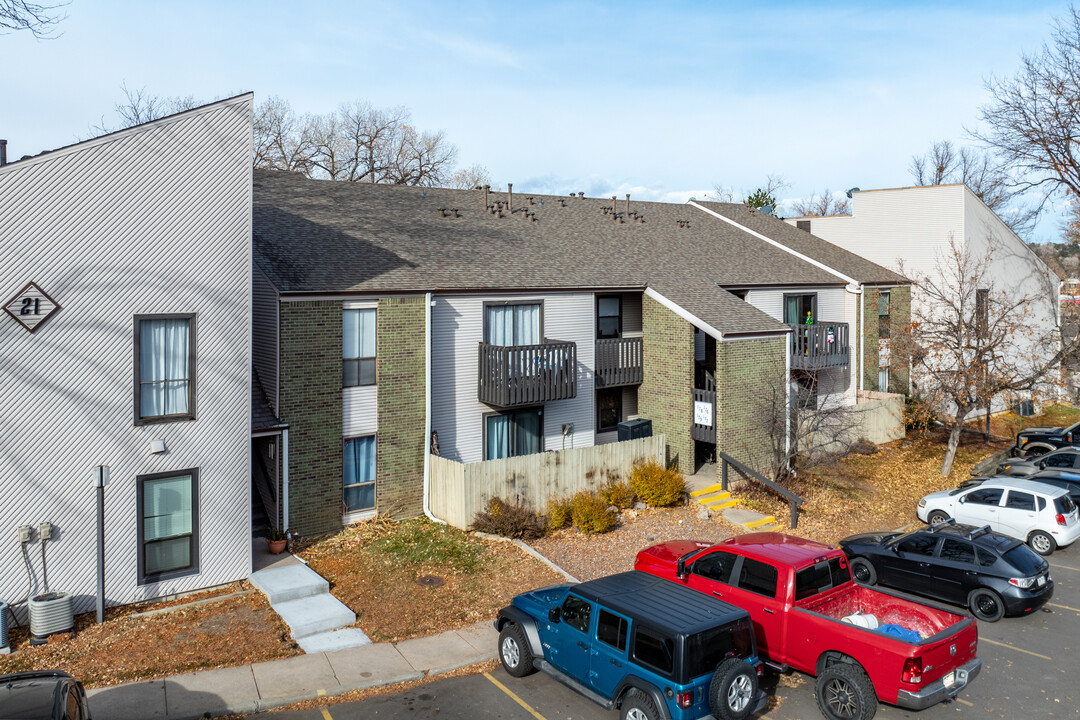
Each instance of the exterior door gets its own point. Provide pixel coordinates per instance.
(754, 590)
(1017, 514)
(571, 637)
(955, 573)
(908, 567)
(980, 507)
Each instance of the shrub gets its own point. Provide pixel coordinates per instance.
(512, 520)
(656, 485)
(590, 513)
(918, 414)
(559, 513)
(618, 494)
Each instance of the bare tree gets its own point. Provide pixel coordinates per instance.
(469, 178)
(971, 340)
(759, 197)
(41, 20)
(823, 206)
(945, 163)
(140, 106)
(284, 140)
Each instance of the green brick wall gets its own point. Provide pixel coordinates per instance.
(899, 319)
(869, 355)
(665, 395)
(311, 404)
(400, 348)
(750, 377)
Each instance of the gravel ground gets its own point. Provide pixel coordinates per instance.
(591, 556)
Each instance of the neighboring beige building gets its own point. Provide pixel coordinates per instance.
(909, 229)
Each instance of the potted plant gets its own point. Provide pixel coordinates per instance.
(276, 540)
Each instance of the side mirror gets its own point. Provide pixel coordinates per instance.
(1042, 464)
(554, 614)
(680, 569)
(962, 499)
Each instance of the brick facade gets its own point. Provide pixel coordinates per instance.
(311, 397)
(400, 348)
(665, 395)
(899, 320)
(751, 383)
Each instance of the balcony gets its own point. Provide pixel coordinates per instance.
(521, 375)
(618, 362)
(819, 346)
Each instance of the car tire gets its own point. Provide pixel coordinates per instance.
(844, 692)
(986, 605)
(639, 706)
(863, 571)
(514, 651)
(1041, 542)
(733, 689)
(936, 516)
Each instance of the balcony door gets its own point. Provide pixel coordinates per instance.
(510, 325)
(800, 309)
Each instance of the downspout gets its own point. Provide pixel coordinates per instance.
(427, 409)
(285, 477)
(860, 351)
(787, 395)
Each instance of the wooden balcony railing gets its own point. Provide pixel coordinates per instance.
(819, 346)
(520, 375)
(618, 362)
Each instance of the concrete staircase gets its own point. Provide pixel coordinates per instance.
(716, 499)
(302, 598)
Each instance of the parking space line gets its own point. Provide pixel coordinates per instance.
(1064, 607)
(325, 712)
(514, 697)
(1013, 647)
(1064, 567)
(965, 702)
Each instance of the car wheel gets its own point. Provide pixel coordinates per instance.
(863, 571)
(1034, 451)
(1042, 543)
(937, 516)
(844, 692)
(514, 652)
(639, 706)
(733, 689)
(986, 605)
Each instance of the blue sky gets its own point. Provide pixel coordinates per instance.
(662, 100)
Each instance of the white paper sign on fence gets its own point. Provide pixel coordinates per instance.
(703, 413)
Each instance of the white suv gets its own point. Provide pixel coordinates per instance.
(1041, 515)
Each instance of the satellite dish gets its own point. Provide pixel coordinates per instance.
(767, 209)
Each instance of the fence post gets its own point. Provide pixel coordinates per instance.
(794, 515)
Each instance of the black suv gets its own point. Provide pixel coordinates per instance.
(42, 695)
(1034, 441)
(654, 649)
(992, 574)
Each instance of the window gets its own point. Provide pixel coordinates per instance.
(800, 309)
(883, 379)
(706, 650)
(957, 550)
(168, 525)
(758, 577)
(919, 545)
(654, 649)
(608, 316)
(715, 566)
(986, 558)
(358, 478)
(987, 496)
(164, 368)
(608, 409)
(358, 347)
(1020, 501)
(576, 613)
(512, 324)
(819, 578)
(513, 434)
(883, 310)
(1061, 460)
(611, 629)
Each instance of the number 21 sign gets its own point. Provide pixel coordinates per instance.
(31, 307)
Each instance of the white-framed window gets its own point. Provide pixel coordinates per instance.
(358, 347)
(168, 525)
(164, 368)
(358, 478)
(883, 379)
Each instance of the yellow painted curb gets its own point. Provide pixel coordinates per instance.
(729, 503)
(714, 499)
(754, 524)
(705, 491)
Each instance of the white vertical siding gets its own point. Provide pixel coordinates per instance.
(770, 302)
(155, 219)
(458, 328)
(264, 334)
(360, 411)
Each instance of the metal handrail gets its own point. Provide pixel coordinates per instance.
(794, 500)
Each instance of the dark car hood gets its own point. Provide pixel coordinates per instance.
(1040, 430)
(874, 538)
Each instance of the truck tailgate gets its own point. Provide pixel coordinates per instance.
(946, 651)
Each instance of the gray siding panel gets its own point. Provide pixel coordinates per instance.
(264, 333)
(156, 219)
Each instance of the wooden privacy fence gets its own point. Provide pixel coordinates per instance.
(457, 491)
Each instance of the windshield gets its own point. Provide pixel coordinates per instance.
(706, 650)
(1024, 559)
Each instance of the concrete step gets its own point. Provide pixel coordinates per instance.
(333, 640)
(758, 524)
(722, 504)
(706, 490)
(315, 614)
(291, 582)
(709, 500)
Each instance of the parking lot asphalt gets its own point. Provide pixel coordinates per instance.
(1029, 671)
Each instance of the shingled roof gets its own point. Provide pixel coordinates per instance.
(317, 236)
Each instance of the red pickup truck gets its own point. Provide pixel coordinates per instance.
(798, 591)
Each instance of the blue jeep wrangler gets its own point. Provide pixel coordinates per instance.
(654, 649)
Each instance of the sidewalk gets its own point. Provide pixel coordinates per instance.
(258, 687)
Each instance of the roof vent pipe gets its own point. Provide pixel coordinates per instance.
(510, 197)
(487, 189)
(3, 153)
(627, 203)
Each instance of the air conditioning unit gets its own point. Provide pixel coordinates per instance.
(50, 613)
(4, 649)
